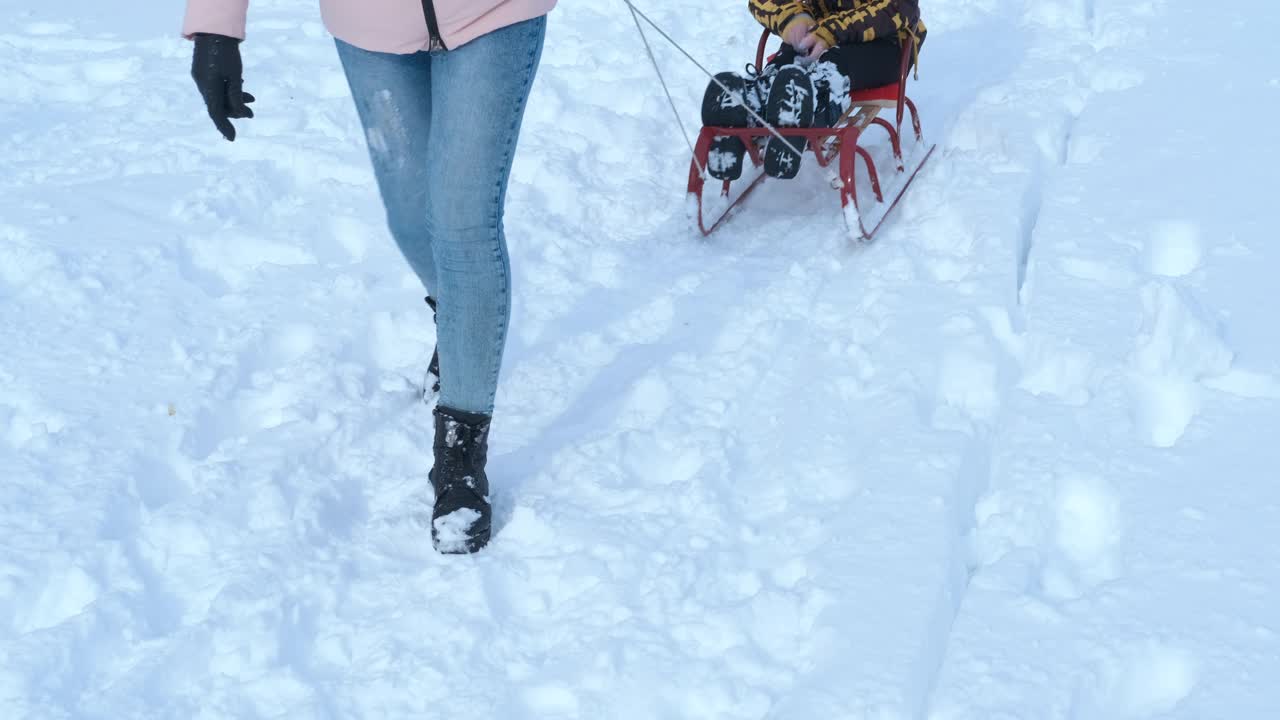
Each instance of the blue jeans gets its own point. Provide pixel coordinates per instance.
(442, 130)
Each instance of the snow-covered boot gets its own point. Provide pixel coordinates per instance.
(431, 383)
(725, 157)
(831, 94)
(461, 520)
(790, 104)
(724, 104)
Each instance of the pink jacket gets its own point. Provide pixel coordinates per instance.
(392, 26)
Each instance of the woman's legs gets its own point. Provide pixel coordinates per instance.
(393, 97)
(442, 130)
(478, 93)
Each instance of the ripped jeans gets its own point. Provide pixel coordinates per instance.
(442, 130)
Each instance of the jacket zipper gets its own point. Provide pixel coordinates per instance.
(433, 26)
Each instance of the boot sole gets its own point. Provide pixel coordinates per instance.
(720, 108)
(791, 104)
(724, 161)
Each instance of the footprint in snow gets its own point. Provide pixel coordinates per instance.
(1087, 531)
(1148, 680)
(1179, 346)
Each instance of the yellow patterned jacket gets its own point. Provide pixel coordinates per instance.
(845, 21)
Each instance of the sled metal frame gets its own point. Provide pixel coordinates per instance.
(842, 142)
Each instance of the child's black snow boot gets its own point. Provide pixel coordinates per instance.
(725, 157)
(831, 94)
(725, 104)
(431, 383)
(722, 106)
(461, 520)
(790, 104)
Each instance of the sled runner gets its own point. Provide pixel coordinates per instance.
(841, 144)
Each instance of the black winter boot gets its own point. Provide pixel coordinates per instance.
(462, 518)
(831, 88)
(790, 104)
(725, 104)
(726, 157)
(723, 107)
(431, 383)
(722, 103)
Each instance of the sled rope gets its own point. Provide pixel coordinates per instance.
(654, 61)
(637, 15)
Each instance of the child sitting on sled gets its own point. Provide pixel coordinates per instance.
(830, 48)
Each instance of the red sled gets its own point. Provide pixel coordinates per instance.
(842, 142)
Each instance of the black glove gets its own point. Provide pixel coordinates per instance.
(218, 72)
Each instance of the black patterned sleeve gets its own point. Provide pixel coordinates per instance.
(776, 14)
(871, 21)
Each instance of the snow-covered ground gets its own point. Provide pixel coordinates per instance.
(1017, 459)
